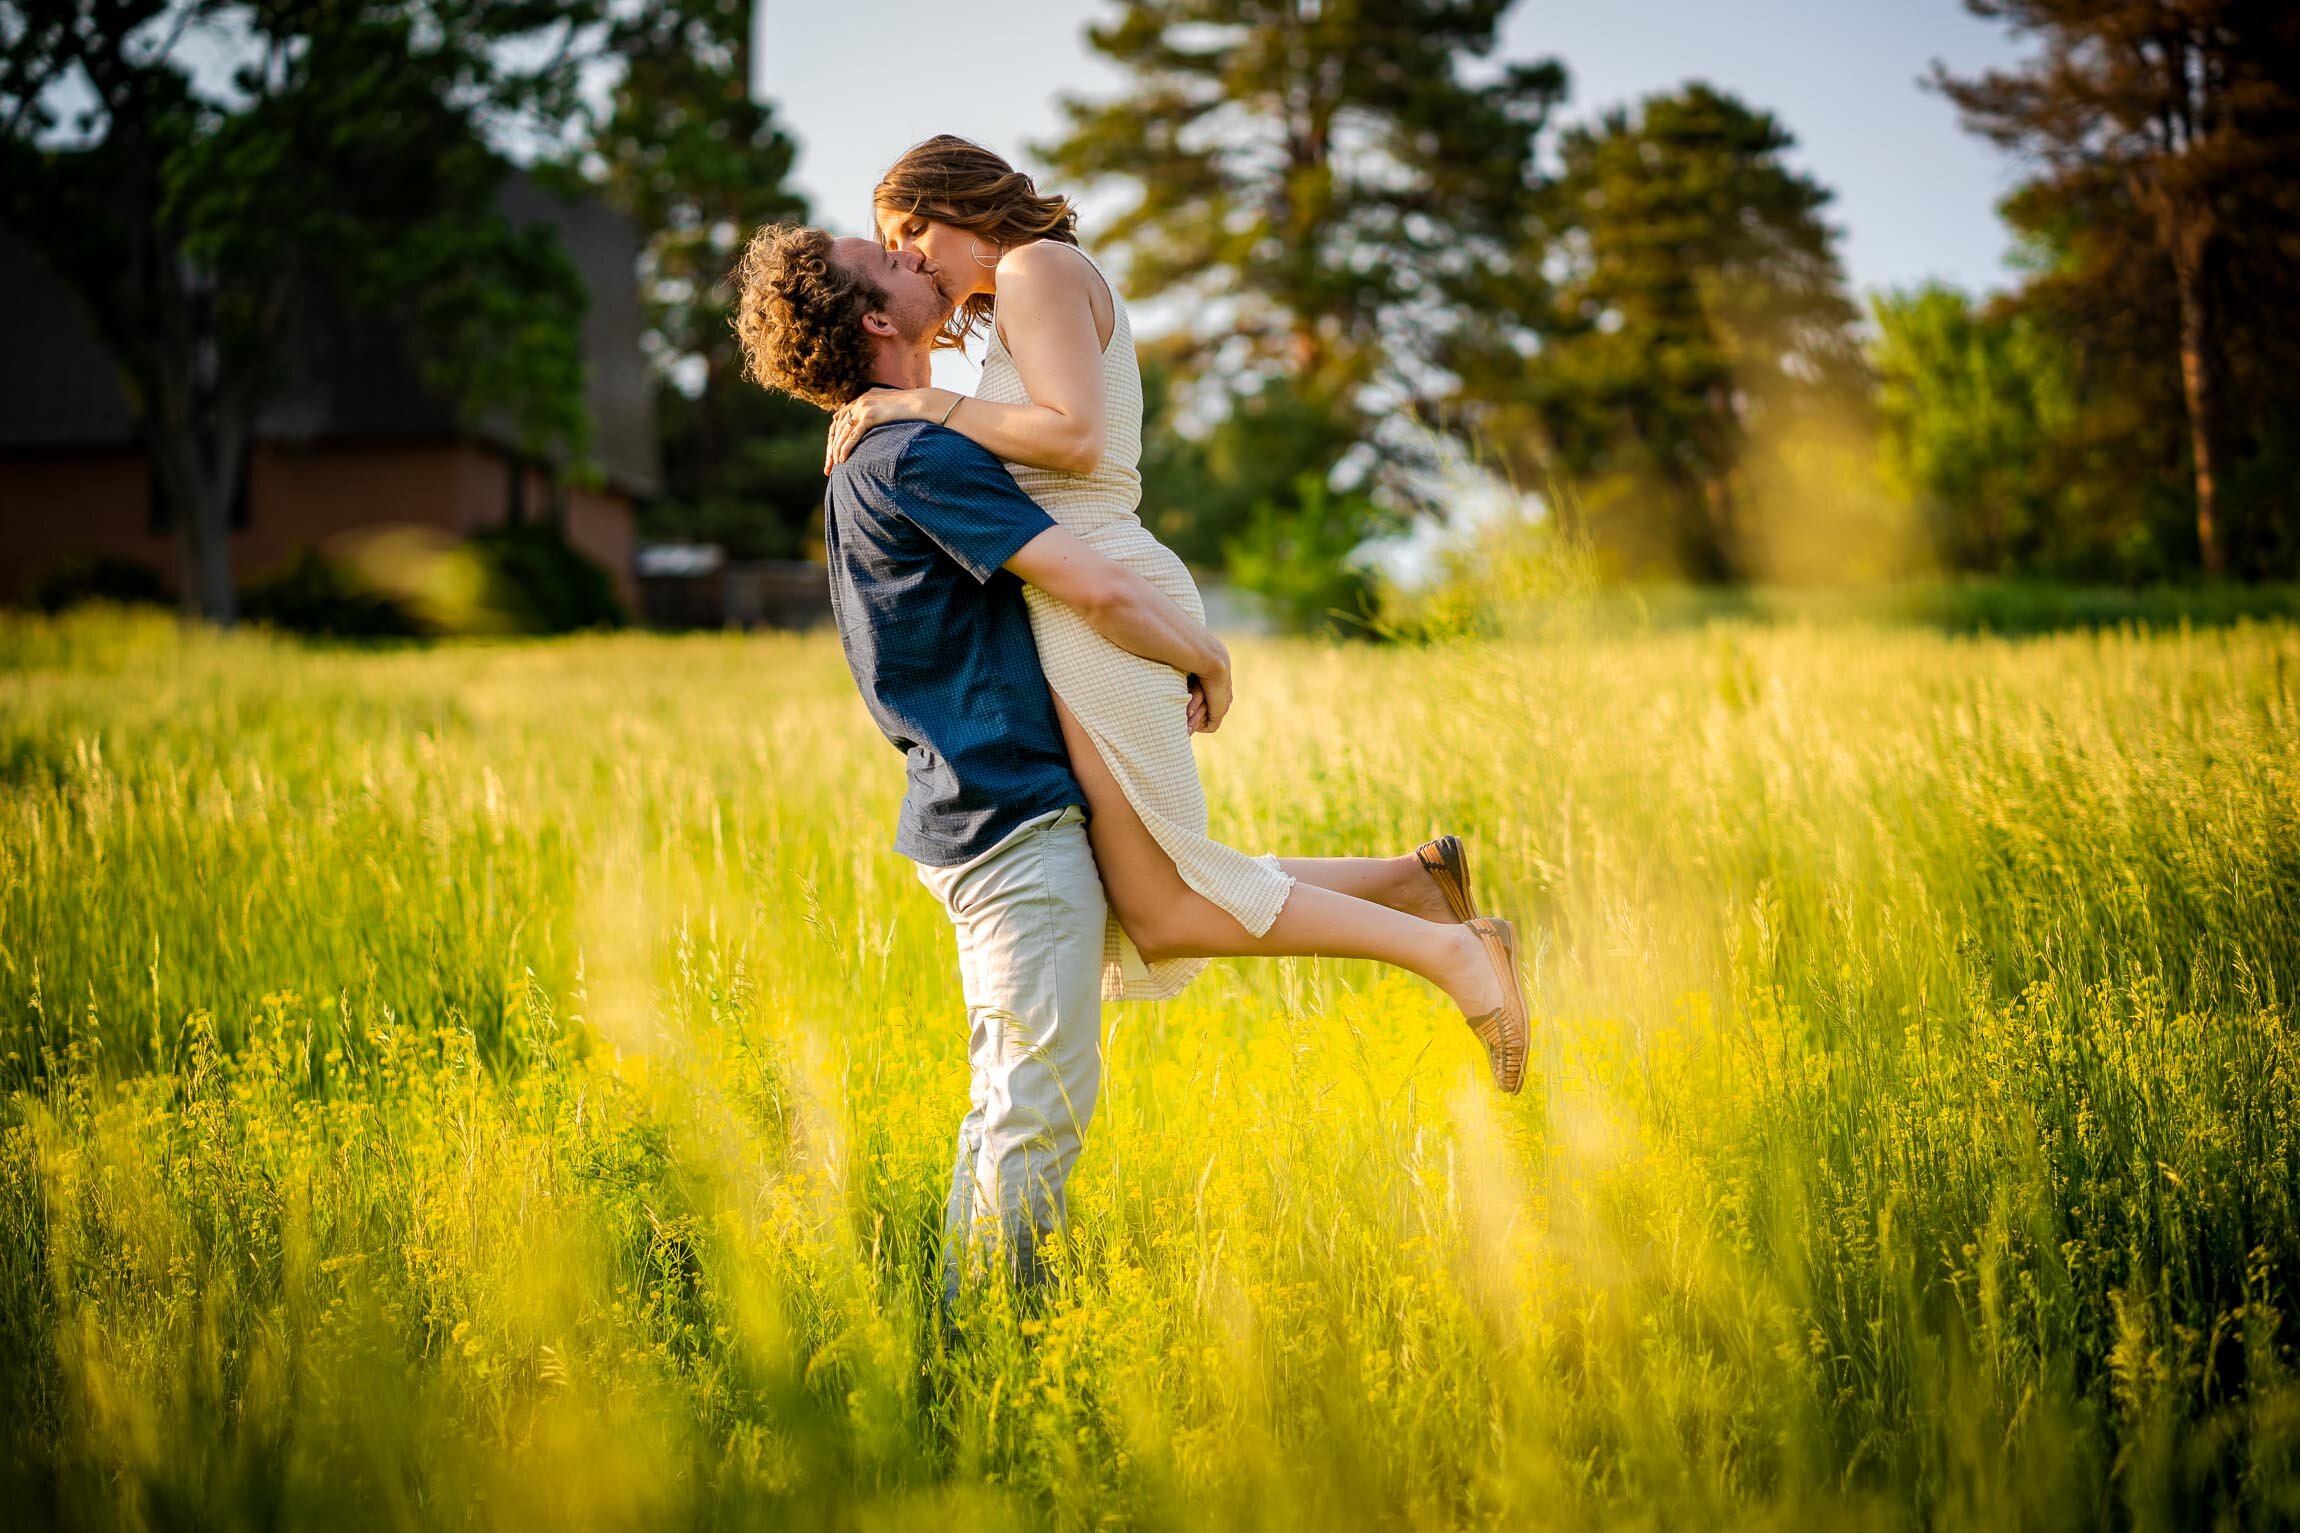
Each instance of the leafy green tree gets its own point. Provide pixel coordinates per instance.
(1317, 181)
(2167, 130)
(203, 223)
(695, 160)
(1255, 494)
(1199, 489)
(1297, 554)
(744, 471)
(2041, 433)
(1694, 289)
(1975, 408)
(2027, 439)
(2046, 432)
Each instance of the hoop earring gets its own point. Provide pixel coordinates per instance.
(974, 248)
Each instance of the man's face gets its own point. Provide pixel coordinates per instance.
(915, 307)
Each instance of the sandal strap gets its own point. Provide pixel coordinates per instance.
(1447, 863)
(1506, 1030)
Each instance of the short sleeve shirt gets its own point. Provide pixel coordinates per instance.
(917, 523)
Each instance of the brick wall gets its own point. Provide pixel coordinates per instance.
(54, 505)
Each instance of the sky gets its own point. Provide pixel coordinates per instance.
(859, 81)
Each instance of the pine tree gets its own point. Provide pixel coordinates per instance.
(1694, 284)
(1315, 173)
(2187, 111)
(695, 160)
(1317, 183)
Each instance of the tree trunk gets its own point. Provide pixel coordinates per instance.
(2200, 382)
(198, 428)
(1701, 553)
(202, 481)
(708, 434)
(219, 599)
(1718, 445)
(555, 495)
(1722, 546)
(1557, 494)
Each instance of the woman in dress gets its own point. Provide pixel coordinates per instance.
(1060, 400)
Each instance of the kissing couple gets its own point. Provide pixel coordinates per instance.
(1041, 661)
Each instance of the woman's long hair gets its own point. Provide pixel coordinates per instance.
(966, 186)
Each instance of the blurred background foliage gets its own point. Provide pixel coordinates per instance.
(1385, 248)
(344, 159)
(699, 164)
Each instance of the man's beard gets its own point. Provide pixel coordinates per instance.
(926, 328)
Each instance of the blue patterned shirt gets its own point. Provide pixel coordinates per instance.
(916, 524)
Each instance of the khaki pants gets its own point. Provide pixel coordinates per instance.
(1029, 915)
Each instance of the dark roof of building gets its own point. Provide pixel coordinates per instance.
(356, 377)
(58, 385)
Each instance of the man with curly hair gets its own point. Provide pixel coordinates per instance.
(929, 541)
(811, 310)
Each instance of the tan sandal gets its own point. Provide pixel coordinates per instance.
(1446, 861)
(1507, 1030)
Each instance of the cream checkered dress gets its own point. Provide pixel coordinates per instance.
(1134, 708)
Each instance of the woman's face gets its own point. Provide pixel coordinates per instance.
(947, 250)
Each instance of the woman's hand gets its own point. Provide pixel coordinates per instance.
(1209, 698)
(876, 408)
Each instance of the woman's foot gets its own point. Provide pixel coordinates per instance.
(1412, 890)
(1444, 864)
(1470, 979)
(1482, 980)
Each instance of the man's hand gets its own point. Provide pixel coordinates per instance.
(1129, 611)
(1210, 697)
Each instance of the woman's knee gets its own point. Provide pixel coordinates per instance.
(1159, 929)
(1186, 926)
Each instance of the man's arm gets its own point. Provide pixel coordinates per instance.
(966, 501)
(1127, 610)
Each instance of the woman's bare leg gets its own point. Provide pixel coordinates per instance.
(1401, 883)
(1166, 918)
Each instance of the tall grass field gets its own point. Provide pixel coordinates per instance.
(513, 1086)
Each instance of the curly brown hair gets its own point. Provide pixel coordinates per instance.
(798, 314)
(954, 181)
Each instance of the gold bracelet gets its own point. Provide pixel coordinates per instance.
(953, 410)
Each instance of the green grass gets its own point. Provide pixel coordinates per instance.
(1523, 583)
(1972, 605)
(512, 1085)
